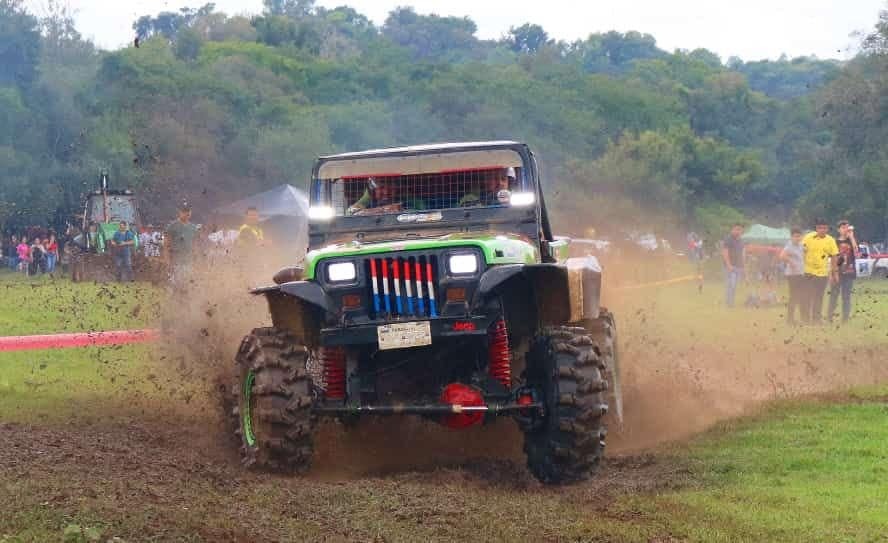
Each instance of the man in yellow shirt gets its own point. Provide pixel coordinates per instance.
(250, 234)
(820, 264)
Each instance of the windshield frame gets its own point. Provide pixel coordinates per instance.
(502, 218)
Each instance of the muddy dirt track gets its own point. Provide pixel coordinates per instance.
(166, 469)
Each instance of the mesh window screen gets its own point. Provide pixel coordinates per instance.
(445, 190)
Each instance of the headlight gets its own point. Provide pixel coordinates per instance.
(320, 213)
(522, 199)
(341, 271)
(462, 264)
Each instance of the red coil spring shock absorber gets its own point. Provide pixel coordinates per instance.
(500, 364)
(334, 372)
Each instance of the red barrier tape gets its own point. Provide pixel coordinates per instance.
(82, 339)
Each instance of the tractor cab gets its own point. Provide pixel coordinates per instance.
(103, 212)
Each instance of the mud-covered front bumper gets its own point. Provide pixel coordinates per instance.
(442, 329)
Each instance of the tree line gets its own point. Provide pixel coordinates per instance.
(211, 107)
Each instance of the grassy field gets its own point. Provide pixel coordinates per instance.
(683, 313)
(56, 384)
(87, 447)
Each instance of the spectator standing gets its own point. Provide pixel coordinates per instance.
(250, 234)
(820, 262)
(11, 252)
(24, 256)
(842, 281)
(178, 248)
(123, 242)
(695, 248)
(150, 240)
(38, 257)
(733, 256)
(52, 252)
(793, 259)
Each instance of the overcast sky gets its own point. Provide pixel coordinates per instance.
(752, 30)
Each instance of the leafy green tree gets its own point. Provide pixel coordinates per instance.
(19, 44)
(527, 38)
(289, 8)
(430, 36)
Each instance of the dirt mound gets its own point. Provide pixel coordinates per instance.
(671, 393)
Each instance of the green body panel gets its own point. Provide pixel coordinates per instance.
(497, 249)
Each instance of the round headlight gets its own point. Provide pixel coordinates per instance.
(463, 264)
(341, 271)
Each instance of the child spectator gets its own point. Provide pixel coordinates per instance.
(23, 251)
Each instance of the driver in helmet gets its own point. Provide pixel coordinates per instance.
(382, 192)
(491, 190)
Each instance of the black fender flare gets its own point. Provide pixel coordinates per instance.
(567, 292)
(307, 291)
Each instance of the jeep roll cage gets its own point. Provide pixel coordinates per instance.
(529, 220)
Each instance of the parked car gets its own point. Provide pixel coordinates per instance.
(871, 263)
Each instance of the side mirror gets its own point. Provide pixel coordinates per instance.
(286, 275)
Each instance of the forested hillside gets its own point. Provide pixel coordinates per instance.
(212, 107)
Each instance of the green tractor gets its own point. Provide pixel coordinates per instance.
(433, 287)
(103, 211)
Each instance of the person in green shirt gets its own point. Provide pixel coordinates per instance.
(383, 192)
(488, 192)
(178, 246)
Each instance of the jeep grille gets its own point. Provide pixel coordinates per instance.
(403, 285)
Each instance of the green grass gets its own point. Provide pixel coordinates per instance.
(54, 384)
(799, 472)
(681, 315)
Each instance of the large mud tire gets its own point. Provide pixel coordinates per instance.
(567, 445)
(272, 399)
(604, 333)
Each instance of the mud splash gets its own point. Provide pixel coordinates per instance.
(672, 390)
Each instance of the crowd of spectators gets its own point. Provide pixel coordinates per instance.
(811, 263)
(31, 252)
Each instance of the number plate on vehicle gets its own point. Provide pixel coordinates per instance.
(403, 335)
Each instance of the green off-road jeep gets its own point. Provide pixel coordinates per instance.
(433, 286)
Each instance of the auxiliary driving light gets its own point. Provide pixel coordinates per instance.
(522, 199)
(463, 264)
(321, 213)
(341, 271)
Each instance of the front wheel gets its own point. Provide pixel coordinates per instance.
(565, 365)
(272, 400)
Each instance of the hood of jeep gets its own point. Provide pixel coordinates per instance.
(497, 248)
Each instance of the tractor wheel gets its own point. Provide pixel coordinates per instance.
(272, 402)
(565, 365)
(604, 332)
